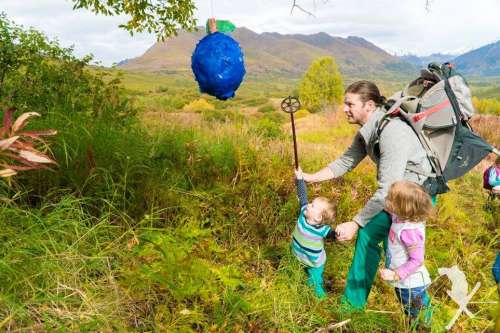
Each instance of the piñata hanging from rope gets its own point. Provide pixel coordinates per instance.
(217, 61)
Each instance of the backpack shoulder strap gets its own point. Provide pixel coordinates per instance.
(394, 111)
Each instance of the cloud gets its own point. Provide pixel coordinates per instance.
(88, 33)
(399, 26)
(395, 25)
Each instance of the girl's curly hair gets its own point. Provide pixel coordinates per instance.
(408, 201)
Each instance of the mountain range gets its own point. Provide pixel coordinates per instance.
(276, 53)
(484, 61)
(291, 55)
(422, 61)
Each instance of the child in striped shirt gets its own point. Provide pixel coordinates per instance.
(310, 231)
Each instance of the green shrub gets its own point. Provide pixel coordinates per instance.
(321, 85)
(277, 117)
(215, 115)
(162, 89)
(255, 101)
(222, 115)
(39, 75)
(302, 113)
(98, 145)
(223, 105)
(266, 108)
(268, 128)
(198, 105)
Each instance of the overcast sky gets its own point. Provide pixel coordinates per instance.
(398, 26)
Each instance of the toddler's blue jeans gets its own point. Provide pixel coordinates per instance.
(414, 300)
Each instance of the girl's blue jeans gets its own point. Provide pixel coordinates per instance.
(415, 300)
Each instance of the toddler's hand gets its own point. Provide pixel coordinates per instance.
(388, 275)
(299, 174)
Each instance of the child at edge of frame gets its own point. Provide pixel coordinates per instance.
(496, 275)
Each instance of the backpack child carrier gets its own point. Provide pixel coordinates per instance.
(437, 106)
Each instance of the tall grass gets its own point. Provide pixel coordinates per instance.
(488, 126)
(192, 234)
(162, 224)
(57, 264)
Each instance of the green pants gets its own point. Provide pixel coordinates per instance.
(315, 280)
(367, 255)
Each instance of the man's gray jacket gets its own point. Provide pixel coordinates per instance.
(399, 150)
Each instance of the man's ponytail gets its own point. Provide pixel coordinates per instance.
(367, 91)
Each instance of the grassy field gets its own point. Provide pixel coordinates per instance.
(486, 87)
(182, 223)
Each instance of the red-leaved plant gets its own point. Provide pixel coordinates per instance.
(19, 149)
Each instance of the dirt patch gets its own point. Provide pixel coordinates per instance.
(276, 103)
(315, 122)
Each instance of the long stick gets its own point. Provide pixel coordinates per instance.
(294, 143)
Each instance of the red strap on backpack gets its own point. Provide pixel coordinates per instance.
(420, 116)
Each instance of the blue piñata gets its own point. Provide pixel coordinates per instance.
(217, 63)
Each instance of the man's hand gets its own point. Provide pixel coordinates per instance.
(321, 175)
(308, 177)
(299, 174)
(388, 275)
(346, 231)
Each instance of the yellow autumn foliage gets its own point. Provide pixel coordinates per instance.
(198, 105)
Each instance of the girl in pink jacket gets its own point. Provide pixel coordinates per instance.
(409, 206)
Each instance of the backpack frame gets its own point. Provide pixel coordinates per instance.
(438, 106)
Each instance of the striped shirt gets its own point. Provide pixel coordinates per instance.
(308, 240)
